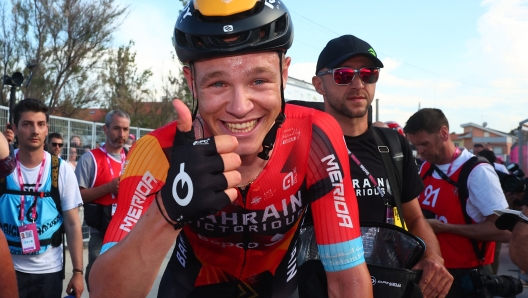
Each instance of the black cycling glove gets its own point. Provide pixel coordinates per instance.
(195, 182)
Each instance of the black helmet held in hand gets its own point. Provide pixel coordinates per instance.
(208, 29)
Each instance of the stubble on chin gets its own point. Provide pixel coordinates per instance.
(343, 110)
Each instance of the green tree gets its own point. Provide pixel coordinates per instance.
(126, 87)
(66, 40)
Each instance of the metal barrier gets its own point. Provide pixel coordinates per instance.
(90, 134)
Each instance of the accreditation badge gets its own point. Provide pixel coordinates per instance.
(29, 238)
(114, 208)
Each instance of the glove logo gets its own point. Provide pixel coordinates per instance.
(185, 179)
(201, 142)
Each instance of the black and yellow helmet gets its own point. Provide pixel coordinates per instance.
(217, 28)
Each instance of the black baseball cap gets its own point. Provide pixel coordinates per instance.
(340, 49)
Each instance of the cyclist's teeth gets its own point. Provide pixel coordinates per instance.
(241, 127)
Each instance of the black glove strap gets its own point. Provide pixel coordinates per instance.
(177, 226)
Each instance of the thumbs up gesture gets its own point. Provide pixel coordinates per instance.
(202, 174)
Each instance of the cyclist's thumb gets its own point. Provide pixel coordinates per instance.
(184, 115)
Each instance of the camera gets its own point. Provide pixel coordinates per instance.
(513, 182)
(477, 282)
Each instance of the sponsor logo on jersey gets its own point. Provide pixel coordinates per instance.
(367, 188)
(135, 210)
(277, 217)
(291, 135)
(336, 176)
(290, 179)
(181, 253)
(292, 263)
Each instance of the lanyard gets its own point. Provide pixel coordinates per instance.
(123, 157)
(372, 180)
(37, 184)
(452, 161)
(110, 164)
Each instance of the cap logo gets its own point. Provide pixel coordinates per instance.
(228, 28)
(371, 50)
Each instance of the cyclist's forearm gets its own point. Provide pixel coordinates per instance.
(130, 267)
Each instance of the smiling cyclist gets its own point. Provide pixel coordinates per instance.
(232, 191)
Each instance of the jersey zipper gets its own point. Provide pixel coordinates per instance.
(245, 236)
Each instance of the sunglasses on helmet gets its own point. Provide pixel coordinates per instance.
(345, 75)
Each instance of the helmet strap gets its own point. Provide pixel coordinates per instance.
(269, 139)
(192, 88)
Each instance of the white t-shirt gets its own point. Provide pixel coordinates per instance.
(501, 167)
(485, 193)
(51, 260)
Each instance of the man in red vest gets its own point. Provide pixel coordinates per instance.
(98, 174)
(464, 246)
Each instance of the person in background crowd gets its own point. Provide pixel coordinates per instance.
(380, 124)
(130, 141)
(428, 130)
(55, 144)
(7, 158)
(477, 148)
(10, 137)
(490, 156)
(98, 173)
(8, 283)
(72, 157)
(76, 142)
(519, 240)
(346, 76)
(9, 134)
(29, 203)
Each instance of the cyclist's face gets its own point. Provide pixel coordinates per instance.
(240, 96)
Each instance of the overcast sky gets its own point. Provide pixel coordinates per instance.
(468, 58)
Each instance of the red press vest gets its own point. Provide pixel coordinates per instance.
(103, 174)
(441, 198)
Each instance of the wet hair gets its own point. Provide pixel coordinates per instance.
(489, 155)
(30, 105)
(428, 120)
(110, 116)
(54, 135)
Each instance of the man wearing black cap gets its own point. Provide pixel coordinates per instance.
(346, 76)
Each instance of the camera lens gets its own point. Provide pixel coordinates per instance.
(503, 285)
(512, 183)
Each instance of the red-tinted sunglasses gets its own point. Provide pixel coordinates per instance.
(345, 75)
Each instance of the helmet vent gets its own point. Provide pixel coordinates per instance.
(280, 25)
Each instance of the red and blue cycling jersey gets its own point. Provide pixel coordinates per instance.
(249, 247)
